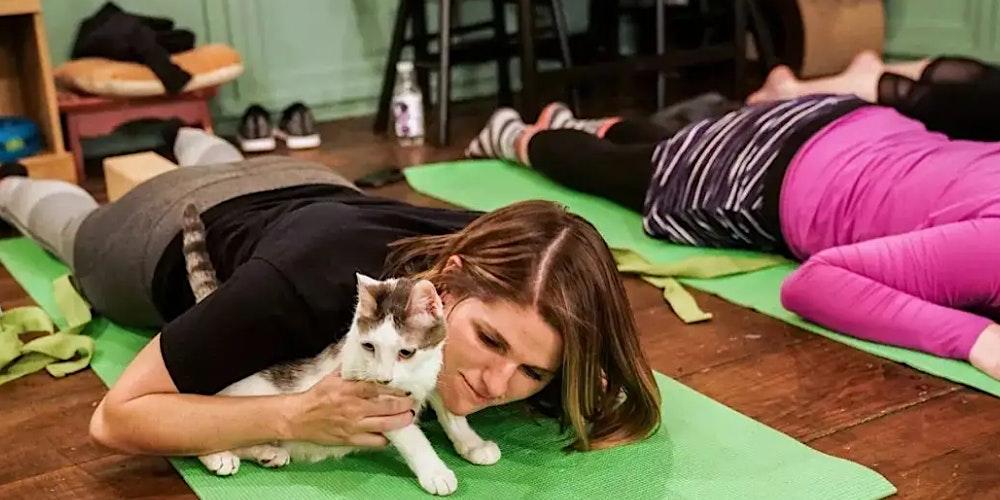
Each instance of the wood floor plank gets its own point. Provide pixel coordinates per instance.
(811, 389)
(113, 476)
(642, 295)
(921, 447)
(970, 472)
(733, 334)
(46, 423)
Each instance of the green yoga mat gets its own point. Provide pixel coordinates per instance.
(487, 185)
(703, 450)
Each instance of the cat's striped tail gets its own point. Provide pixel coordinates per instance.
(200, 271)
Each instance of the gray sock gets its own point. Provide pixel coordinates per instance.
(195, 146)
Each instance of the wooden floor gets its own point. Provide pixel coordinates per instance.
(933, 439)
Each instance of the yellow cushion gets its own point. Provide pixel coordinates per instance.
(209, 65)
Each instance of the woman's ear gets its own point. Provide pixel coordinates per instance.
(454, 263)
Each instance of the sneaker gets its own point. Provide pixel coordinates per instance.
(298, 128)
(256, 133)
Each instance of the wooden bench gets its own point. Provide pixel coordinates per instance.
(89, 116)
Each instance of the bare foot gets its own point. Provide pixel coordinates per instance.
(781, 84)
(861, 76)
(985, 353)
(866, 62)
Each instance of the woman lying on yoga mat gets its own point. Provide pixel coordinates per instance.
(533, 303)
(898, 226)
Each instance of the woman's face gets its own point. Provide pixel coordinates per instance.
(495, 353)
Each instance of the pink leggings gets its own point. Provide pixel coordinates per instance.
(911, 290)
(899, 229)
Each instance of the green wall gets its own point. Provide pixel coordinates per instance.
(327, 53)
(330, 53)
(919, 28)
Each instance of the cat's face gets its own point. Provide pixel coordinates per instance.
(398, 330)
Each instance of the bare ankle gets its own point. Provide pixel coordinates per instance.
(781, 83)
(867, 60)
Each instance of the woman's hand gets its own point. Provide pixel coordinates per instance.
(341, 412)
(144, 414)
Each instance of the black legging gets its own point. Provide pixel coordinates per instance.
(959, 97)
(617, 167)
(956, 96)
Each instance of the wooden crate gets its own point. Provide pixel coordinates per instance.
(27, 88)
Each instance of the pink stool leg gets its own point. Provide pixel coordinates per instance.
(75, 146)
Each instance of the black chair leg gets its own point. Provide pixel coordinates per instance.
(562, 33)
(661, 49)
(740, 46)
(444, 71)
(505, 95)
(389, 76)
(529, 63)
(421, 38)
(762, 37)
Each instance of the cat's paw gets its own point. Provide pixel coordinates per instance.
(223, 463)
(483, 453)
(271, 456)
(438, 481)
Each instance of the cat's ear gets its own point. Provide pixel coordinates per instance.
(425, 303)
(367, 304)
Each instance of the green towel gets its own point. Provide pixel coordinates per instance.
(487, 185)
(663, 274)
(703, 449)
(59, 353)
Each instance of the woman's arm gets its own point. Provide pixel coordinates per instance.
(144, 414)
(912, 290)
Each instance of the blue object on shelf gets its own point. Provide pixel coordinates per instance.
(19, 137)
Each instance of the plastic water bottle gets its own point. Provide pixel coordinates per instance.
(407, 107)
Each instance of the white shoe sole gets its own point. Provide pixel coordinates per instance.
(258, 145)
(298, 141)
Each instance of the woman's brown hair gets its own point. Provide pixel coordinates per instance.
(537, 254)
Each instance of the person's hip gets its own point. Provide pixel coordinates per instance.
(119, 245)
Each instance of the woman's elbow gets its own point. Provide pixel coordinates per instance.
(105, 431)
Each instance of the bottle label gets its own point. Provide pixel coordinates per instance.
(408, 115)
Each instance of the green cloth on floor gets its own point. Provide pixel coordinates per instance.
(60, 353)
(703, 450)
(487, 185)
(663, 275)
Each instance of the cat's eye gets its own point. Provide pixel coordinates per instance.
(406, 353)
(368, 346)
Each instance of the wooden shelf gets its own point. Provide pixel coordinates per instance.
(26, 85)
(19, 7)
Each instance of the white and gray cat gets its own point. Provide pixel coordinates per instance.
(396, 337)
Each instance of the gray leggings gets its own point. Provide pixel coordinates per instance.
(114, 249)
